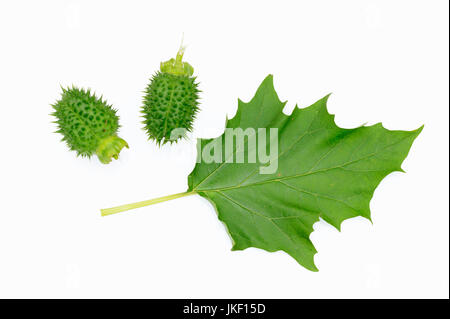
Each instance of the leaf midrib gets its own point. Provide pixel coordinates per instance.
(309, 172)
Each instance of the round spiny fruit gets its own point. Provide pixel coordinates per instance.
(171, 101)
(88, 124)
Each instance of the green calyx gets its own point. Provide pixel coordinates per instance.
(110, 148)
(177, 66)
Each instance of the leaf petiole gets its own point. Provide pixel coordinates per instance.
(123, 208)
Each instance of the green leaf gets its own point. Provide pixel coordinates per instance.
(323, 172)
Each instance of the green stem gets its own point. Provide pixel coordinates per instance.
(119, 209)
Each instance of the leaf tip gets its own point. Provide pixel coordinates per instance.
(268, 81)
(418, 130)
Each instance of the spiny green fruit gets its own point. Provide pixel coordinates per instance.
(88, 124)
(171, 101)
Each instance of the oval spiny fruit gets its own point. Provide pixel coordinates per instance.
(88, 124)
(171, 101)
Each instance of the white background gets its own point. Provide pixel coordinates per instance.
(383, 60)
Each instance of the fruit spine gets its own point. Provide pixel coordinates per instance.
(171, 101)
(88, 124)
